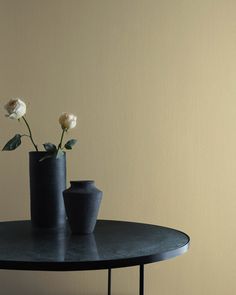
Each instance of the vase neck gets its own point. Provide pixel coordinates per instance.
(82, 184)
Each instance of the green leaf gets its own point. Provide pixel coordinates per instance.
(50, 147)
(60, 154)
(70, 144)
(13, 143)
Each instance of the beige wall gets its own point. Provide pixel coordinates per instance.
(154, 86)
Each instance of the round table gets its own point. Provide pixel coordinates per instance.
(113, 244)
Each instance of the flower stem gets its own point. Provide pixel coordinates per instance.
(30, 134)
(62, 135)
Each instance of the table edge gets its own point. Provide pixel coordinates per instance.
(95, 265)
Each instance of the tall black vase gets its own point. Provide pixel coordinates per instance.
(47, 182)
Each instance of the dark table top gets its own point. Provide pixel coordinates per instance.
(113, 244)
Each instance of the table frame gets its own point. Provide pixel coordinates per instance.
(141, 280)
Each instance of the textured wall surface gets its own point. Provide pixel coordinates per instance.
(153, 85)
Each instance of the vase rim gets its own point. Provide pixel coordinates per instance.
(37, 152)
(40, 152)
(81, 181)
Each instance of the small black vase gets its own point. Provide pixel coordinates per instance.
(47, 182)
(82, 202)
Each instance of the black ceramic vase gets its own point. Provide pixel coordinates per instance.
(47, 182)
(82, 202)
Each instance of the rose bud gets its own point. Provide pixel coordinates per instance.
(16, 108)
(67, 121)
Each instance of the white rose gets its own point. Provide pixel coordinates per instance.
(67, 121)
(16, 108)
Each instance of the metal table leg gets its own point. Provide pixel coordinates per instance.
(141, 279)
(109, 282)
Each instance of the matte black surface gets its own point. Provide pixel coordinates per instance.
(82, 202)
(113, 244)
(47, 182)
